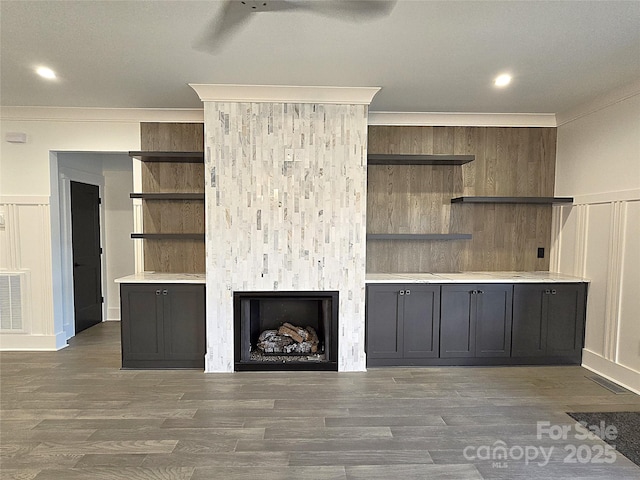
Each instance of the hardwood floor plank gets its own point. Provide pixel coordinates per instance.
(279, 473)
(92, 460)
(116, 473)
(413, 472)
(23, 474)
(220, 459)
(370, 457)
(384, 421)
(105, 447)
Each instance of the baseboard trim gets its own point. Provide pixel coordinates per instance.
(41, 343)
(624, 376)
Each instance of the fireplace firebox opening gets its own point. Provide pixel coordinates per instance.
(286, 330)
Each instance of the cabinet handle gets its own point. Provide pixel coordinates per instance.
(401, 292)
(157, 292)
(553, 292)
(479, 291)
(408, 292)
(547, 292)
(165, 292)
(473, 292)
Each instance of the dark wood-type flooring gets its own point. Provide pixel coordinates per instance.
(74, 414)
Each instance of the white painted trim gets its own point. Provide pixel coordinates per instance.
(628, 378)
(13, 254)
(18, 342)
(25, 199)
(614, 272)
(599, 103)
(555, 251)
(608, 197)
(461, 119)
(284, 94)
(73, 114)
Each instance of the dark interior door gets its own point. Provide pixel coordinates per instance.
(85, 230)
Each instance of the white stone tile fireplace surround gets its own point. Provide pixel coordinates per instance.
(285, 189)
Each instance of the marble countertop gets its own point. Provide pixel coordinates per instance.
(461, 277)
(473, 277)
(153, 277)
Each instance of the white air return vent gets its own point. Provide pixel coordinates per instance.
(12, 286)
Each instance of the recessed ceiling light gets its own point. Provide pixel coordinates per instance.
(46, 72)
(502, 80)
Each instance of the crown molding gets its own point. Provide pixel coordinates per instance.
(284, 94)
(599, 103)
(460, 119)
(76, 114)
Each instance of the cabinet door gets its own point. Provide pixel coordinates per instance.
(184, 323)
(142, 322)
(565, 319)
(493, 314)
(384, 321)
(421, 321)
(457, 330)
(529, 333)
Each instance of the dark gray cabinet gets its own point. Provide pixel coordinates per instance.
(475, 324)
(163, 325)
(402, 323)
(548, 320)
(475, 321)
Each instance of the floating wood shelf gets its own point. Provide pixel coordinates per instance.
(409, 159)
(530, 200)
(180, 157)
(168, 196)
(418, 236)
(169, 236)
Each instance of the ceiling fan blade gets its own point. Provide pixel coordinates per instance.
(351, 10)
(233, 15)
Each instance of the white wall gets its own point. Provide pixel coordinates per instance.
(598, 163)
(31, 242)
(118, 225)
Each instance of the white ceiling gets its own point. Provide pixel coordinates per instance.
(428, 56)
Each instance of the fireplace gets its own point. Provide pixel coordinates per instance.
(286, 330)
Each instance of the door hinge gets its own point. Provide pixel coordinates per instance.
(101, 299)
(100, 251)
(99, 201)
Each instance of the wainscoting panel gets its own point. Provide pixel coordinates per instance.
(25, 246)
(597, 238)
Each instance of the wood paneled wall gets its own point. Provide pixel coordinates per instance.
(416, 199)
(173, 216)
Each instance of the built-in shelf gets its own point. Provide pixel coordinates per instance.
(169, 236)
(183, 157)
(418, 236)
(530, 200)
(409, 159)
(168, 196)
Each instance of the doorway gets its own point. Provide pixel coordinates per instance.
(87, 271)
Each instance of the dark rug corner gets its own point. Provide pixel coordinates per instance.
(628, 425)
